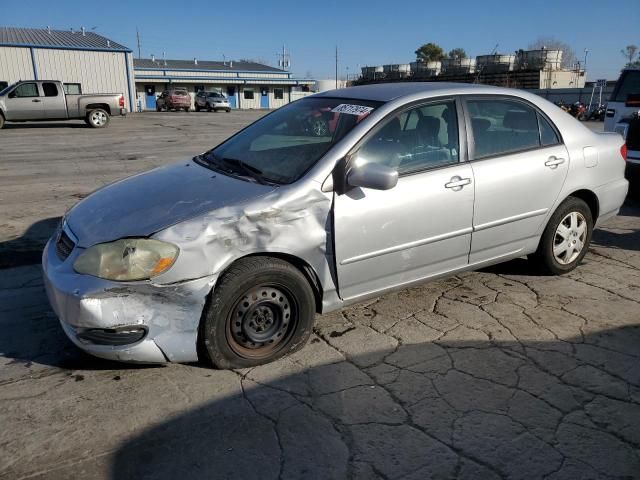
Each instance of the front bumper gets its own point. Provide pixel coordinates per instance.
(170, 314)
(221, 106)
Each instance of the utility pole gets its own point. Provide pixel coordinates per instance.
(336, 67)
(138, 37)
(584, 66)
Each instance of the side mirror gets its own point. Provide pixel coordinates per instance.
(373, 175)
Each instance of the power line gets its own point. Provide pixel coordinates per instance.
(138, 38)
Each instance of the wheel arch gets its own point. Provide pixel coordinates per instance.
(93, 106)
(591, 199)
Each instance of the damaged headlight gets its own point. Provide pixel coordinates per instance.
(127, 259)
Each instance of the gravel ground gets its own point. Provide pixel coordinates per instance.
(492, 374)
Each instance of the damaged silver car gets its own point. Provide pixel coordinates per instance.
(330, 200)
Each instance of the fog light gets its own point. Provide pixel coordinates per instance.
(113, 336)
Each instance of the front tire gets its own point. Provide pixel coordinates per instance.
(566, 238)
(2, 122)
(197, 107)
(208, 107)
(97, 118)
(262, 309)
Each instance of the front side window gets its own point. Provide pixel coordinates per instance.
(285, 144)
(628, 84)
(416, 139)
(50, 89)
(26, 90)
(248, 94)
(502, 126)
(278, 93)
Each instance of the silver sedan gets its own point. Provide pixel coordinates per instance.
(331, 200)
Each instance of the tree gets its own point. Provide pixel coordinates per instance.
(551, 43)
(629, 52)
(429, 52)
(457, 53)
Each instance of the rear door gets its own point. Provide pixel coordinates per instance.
(25, 102)
(422, 226)
(519, 164)
(53, 101)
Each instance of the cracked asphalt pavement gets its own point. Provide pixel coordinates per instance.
(500, 373)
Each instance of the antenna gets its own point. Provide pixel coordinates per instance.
(138, 37)
(284, 59)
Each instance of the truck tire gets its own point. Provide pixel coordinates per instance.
(97, 118)
(263, 308)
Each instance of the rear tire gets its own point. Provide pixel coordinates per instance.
(262, 309)
(97, 118)
(197, 107)
(566, 238)
(186, 109)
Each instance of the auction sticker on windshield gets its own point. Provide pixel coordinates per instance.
(352, 109)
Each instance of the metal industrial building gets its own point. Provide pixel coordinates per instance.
(90, 63)
(246, 84)
(84, 61)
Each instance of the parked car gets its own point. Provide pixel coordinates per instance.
(176, 99)
(211, 101)
(37, 100)
(623, 109)
(237, 249)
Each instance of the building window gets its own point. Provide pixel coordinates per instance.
(248, 93)
(72, 88)
(278, 93)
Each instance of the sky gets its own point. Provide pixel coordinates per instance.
(366, 32)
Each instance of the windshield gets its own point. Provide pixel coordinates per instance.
(628, 84)
(284, 145)
(215, 94)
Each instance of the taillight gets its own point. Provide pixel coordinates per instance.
(121, 101)
(623, 151)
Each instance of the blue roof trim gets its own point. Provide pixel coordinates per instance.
(235, 79)
(65, 47)
(267, 72)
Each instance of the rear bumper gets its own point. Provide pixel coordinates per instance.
(611, 197)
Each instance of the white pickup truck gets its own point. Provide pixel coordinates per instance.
(36, 100)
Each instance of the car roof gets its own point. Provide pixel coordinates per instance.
(385, 92)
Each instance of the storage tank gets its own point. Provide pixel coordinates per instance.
(371, 73)
(542, 59)
(397, 70)
(426, 69)
(328, 84)
(495, 63)
(454, 66)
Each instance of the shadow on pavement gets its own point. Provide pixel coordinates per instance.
(37, 125)
(27, 249)
(451, 409)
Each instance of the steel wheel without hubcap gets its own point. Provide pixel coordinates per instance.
(570, 238)
(262, 321)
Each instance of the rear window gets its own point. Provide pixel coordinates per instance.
(628, 84)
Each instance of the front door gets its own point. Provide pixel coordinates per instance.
(231, 95)
(264, 97)
(25, 103)
(150, 92)
(519, 166)
(422, 226)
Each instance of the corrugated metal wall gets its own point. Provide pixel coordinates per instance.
(97, 72)
(15, 64)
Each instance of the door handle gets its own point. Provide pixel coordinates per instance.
(456, 183)
(553, 162)
(36, 100)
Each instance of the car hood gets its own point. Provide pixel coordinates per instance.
(151, 201)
